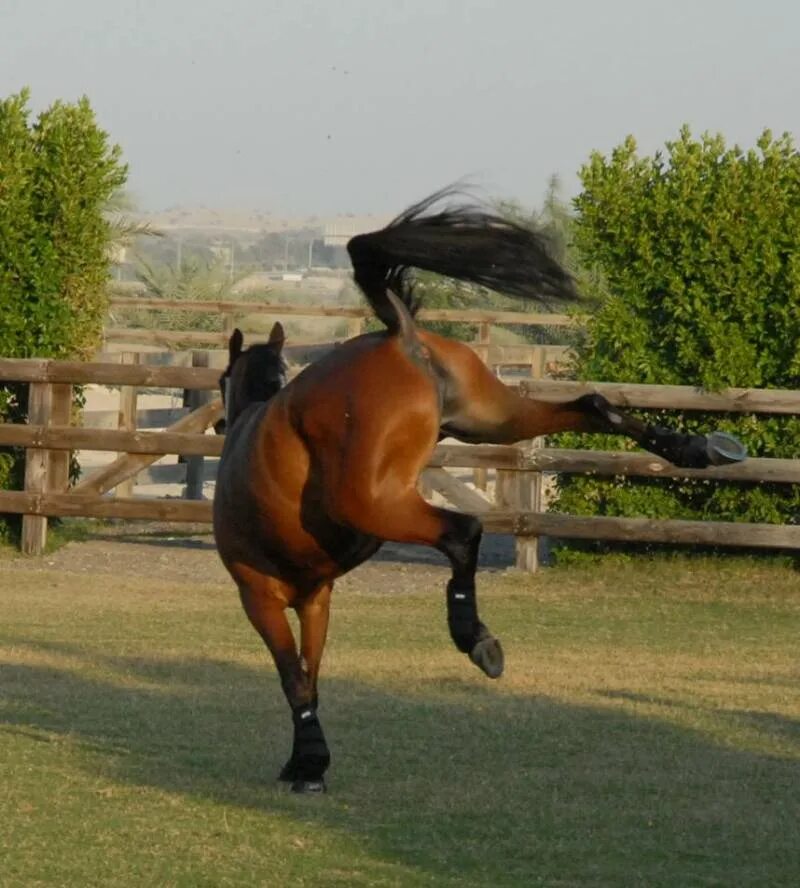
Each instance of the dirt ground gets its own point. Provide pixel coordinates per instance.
(181, 554)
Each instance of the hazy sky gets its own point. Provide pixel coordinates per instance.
(326, 106)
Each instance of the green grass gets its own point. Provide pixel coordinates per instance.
(647, 732)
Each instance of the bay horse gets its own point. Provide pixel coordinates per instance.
(316, 474)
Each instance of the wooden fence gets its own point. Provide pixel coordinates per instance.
(49, 437)
(536, 357)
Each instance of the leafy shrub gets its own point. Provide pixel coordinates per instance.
(699, 249)
(57, 173)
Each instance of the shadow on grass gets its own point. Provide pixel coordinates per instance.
(452, 777)
(780, 727)
(497, 550)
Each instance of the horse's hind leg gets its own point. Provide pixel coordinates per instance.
(266, 610)
(409, 519)
(460, 543)
(593, 413)
(482, 410)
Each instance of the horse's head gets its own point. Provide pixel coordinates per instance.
(253, 375)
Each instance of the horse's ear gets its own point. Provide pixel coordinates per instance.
(235, 344)
(276, 335)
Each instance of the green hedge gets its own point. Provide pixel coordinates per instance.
(57, 173)
(699, 250)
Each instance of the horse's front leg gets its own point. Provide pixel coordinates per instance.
(266, 610)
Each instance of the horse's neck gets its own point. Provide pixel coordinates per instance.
(244, 422)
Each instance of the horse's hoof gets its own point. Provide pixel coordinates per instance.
(488, 656)
(724, 449)
(309, 787)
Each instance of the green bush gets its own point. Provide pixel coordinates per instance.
(699, 249)
(57, 173)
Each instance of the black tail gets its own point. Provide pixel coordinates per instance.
(465, 242)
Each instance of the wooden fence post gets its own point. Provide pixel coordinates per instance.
(530, 549)
(195, 465)
(481, 344)
(34, 527)
(128, 397)
(521, 491)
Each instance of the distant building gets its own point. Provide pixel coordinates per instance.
(338, 232)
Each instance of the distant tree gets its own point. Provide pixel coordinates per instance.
(288, 249)
(195, 279)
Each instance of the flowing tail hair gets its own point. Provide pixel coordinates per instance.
(466, 242)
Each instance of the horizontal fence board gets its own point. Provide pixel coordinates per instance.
(81, 373)
(145, 336)
(295, 353)
(781, 401)
(712, 533)
(66, 505)
(475, 316)
(701, 533)
(236, 306)
(454, 456)
(641, 464)
(668, 397)
(607, 462)
(67, 438)
(302, 353)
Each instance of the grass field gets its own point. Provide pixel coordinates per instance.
(647, 732)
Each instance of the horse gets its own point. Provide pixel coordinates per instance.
(316, 474)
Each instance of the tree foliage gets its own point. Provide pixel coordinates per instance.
(56, 176)
(196, 279)
(57, 173)
(699, 249)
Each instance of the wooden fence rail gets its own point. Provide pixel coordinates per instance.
(533, 356)
(470, 316)
(517, 509)
(671, 397)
